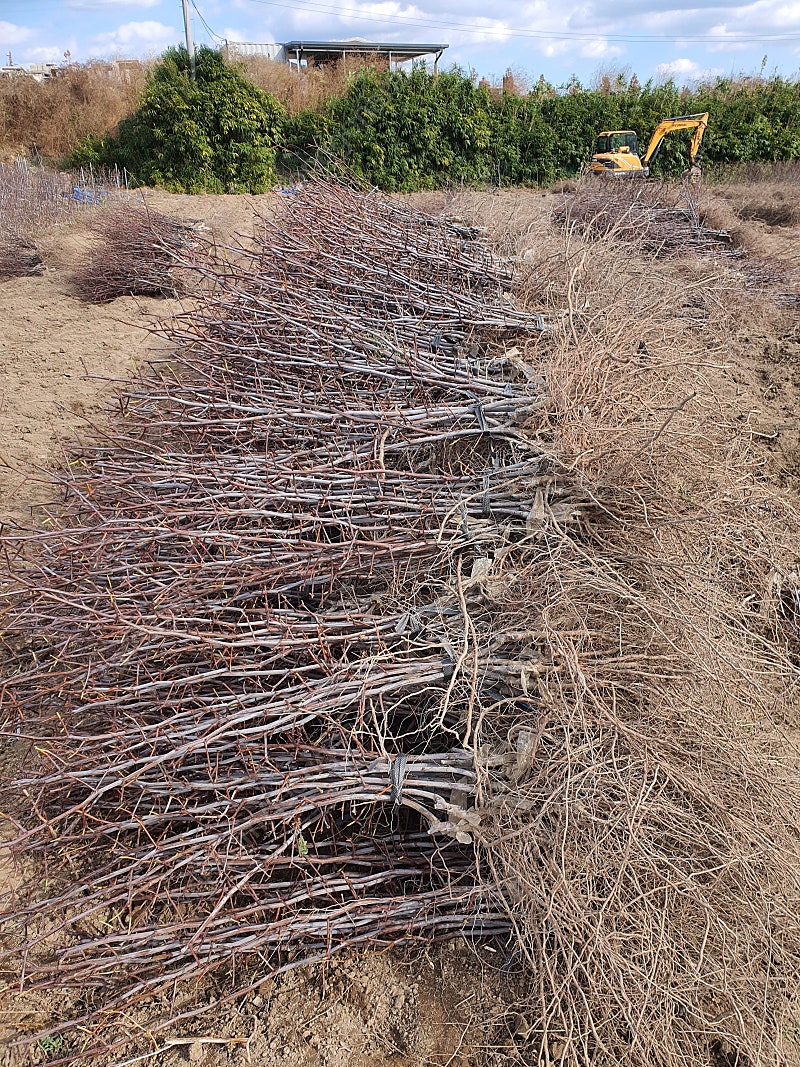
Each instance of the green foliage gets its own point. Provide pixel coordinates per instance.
(92, 150)
(404, 131)
(216, 134)
(419, 131)
(51, 1046)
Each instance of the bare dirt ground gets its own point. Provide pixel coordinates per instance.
(443, 1005)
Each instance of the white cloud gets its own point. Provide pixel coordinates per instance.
(12, 35)
(747, 21)
(554, 48)
(365, 19)
(486, 29)
(240, 36)
(44, 54)
(684, 69)
(601, 49)
(678, 68)
(134, 39)
(709, 24)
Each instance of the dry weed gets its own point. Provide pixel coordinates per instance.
(644, 829)
(311, 86)
(32, 202)
(758, 192)
(719, 213)
(49, 118)
(772, 203)
(647, 841)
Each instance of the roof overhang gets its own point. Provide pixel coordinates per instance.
(332, 50)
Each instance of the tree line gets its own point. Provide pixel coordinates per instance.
(409, 131)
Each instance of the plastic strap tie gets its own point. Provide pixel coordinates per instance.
(397, 774)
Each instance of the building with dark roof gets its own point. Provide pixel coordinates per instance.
(323, 53)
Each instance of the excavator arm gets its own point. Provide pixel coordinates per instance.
(697, 123)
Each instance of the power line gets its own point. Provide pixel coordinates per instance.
(507, 31)
(208, 28)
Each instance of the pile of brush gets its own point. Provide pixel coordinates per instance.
(134, 253)
(18, 258)
(657, 218)
(381, 613)
(246, 610)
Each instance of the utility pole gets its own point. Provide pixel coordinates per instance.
(189, 42)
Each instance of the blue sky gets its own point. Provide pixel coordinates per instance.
(557, 38)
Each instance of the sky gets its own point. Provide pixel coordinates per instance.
(655, 39)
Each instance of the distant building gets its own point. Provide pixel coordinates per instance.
(267, 51)
(38, 71)
(126, 68)
(324, 53)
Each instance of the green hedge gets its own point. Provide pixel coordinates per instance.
(422, 131)
(417, 131)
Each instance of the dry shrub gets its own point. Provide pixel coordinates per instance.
(567, 522)
(50, 117)
(133, 254)
(309, 87)
(33, 200)
(35, 203)
(18, 258)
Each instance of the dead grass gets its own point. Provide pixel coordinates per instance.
(49, 118)
(311, 87)
(655, 928)
(759, 192)
(773, 203)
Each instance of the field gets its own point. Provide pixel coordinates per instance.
(671, 347)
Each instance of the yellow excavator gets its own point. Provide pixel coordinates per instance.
(616, 152)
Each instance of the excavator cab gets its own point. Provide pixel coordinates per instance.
(617, 141)
(616, 152)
